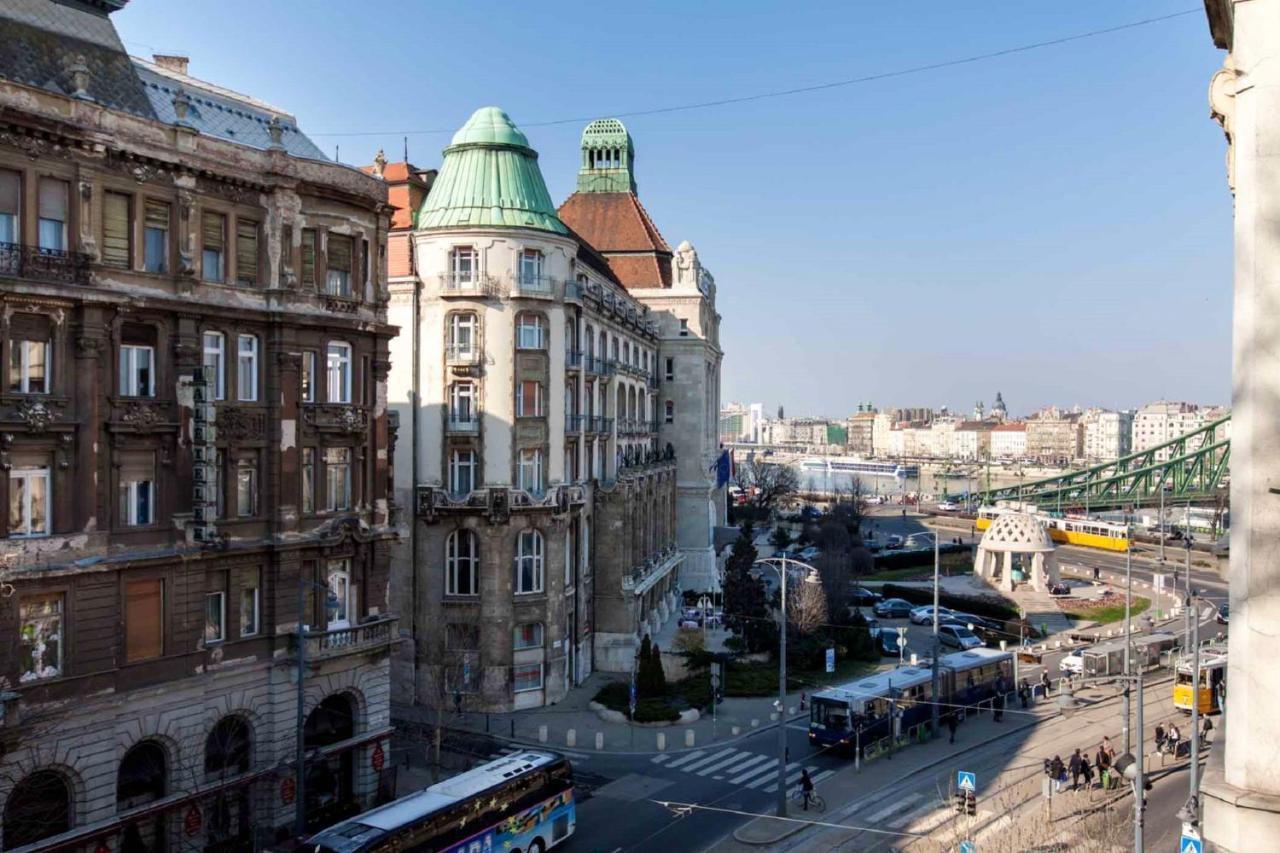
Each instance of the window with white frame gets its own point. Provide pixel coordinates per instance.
(464, 264)
(10, 207)
(340, 599)
(527, 677)
(530, 331)
(528, 635)
(246, 487)
(462, 402)
(136, 492)
(247, 368)
(462, 472)
(215, 617)
(528, 563)
(137, 370)
(530, 478)
(670, 410)
(53, 203)
(308, 376)
(28, 501)
(40, 636)
(461, 563)
(215, 363)
(529, 399)
(30, 366)
(251, 607)
(530, 267)
(337, 472)
(462, 335)
(339, 372)
(337, 280)
(670, 369)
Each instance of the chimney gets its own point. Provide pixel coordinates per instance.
(171, 63)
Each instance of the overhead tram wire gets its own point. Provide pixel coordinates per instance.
(816, 87)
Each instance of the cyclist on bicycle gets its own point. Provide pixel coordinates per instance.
(806, 787)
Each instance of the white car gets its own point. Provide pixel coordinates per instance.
(924, 615)
(948, 506)
(1073, 663)
(875, 500)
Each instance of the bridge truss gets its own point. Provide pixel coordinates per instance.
(1195, 470)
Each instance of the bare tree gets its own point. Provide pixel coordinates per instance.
(807, 607)
(767, 483)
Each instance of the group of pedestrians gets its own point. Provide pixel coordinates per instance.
(1079, 769)
(1169, 741)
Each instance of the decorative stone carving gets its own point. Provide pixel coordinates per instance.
(379, 163)
(88, 347)
(684, 266)
(34, 147)
(240, 424)
(143, 417)
(381, 369)
(1222, 106)
(276, 131)
(36, 414)
(287, 360)
(77, 82)
(231, 192)
(347, 420)
(181, 105)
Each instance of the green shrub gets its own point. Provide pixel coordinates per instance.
(886, 560)
(615, 696)
(655, 711)
(963, 603)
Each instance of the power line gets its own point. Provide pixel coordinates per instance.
(817, 87)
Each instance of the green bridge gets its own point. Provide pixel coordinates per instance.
(1195, 470)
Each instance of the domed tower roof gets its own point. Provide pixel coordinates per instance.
(489, 177)
(1017, 532)
(608, 158)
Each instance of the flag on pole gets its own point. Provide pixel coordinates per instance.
(723, 468)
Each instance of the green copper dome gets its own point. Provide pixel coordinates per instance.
(490, 176)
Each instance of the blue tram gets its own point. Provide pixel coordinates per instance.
(861, 711)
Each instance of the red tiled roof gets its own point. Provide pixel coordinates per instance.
(618, 226)
(1018, 427)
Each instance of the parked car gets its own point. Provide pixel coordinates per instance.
(893, 542)
(923, 615)
(979, 623)
(1059, 588)
(958, 637)
(949, 506)
(888, 641)
(1222, 613)
(809, 554)
(860, 596)
(892, 608)
(1073, 663)
(875, 500)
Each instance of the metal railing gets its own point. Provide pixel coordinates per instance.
(573, 359)
(463, 283)
(344, 641)
(652, 381)
(533, 285)
(663, 559)
(461, 354)
(573, 423)
(600, 366)
(601, 424)
(17, 259)
(464, 425)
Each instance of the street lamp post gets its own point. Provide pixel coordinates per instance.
(1160, 527)
(1128, 626)
(933, 711)
(1131, 766)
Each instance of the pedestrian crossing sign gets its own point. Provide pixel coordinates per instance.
(966, 781)
(1190, 842)
(968, 847)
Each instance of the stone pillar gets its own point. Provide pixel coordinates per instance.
(1241, 785)
(1006, 581)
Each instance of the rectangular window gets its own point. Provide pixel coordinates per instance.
(144, 619)
(215, 617)
(247, 368)
(530, 266)
(246, 252)
(671, 370)
(339, 372)
(462, 403)
(337, 472)
(530, 332)
(339, 602)
(137, 371)
(308, 376)
(337, 280)
(308, 480)
(462, 472)
(29, 366)
(53, 202)
(219, 502)
(670, 409)
(10, 210)
(28, 502)
(215, 364)
(531, 471)
(247, 487)
(684, 327)
(529, 399)
(309, 256)
(528, 636)
(527, 677)
(117, 230)
(462, 336)
(213, 242)
(40, 636)
(155, 237)
(250, 608)
(137, 498)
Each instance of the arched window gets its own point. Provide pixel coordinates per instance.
(626, 352)
(530, 331)
(143, 776)
(529, 562)
(604, 344)
(226, 750)
(461, 560)
(591, 341)
(38, 807)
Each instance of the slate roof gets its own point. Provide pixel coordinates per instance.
(619, 227)
(220, 112)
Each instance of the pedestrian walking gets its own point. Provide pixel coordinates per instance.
(1073, 764)
(1173, 739)
(952, 722)
(1057, 773)
(1103, 762)
(1044, 684)
(1024, 693)
(998, 706)
(1097, 573)
(1205, 729)
(806, 787)
(1086, 771)
(1160, 737)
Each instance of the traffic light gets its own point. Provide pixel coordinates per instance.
(970, 803)
(960, 797)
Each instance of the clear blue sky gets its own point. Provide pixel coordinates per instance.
(1053, 224)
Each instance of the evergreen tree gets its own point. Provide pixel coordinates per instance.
(745, 609)
(657, 680)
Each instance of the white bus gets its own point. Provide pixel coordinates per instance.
(520, 803)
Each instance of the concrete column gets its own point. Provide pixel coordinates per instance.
(1006, 582)
(1241, 785)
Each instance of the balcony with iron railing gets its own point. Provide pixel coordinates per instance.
(537, 286)
(574, 423)
(652, 381)
(461, 354)
(464, 423)
(653, 569)
(375, 635)
(599, 366)
(573, 359)
(601, 424)
(465, 284)
(22, 261)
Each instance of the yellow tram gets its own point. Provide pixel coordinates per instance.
(1213, 680)
(1087, 532)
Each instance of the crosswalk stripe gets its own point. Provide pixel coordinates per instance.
(732, 759)
(710, 759)
(771, 775)
(894, 807)
(791, 781)
(823, 775)
(737, 780)
(744, 760)
(685, 759)
(916, 813)
(661, 757)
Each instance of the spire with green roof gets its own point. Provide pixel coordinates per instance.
(490, 176)
(608, 158)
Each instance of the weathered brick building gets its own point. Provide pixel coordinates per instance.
(194, 432)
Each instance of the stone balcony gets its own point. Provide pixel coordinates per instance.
(652, 570)
(372, 637)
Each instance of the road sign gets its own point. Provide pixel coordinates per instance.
(968, 847)
(966, 781)
(1190, 841)
(831, 660)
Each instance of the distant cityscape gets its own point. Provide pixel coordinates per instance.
(1050, 436)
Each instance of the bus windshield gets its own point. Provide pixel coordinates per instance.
(830, 714)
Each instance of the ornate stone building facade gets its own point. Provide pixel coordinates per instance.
(195, 442)
(543, 503)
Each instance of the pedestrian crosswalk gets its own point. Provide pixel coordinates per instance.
(739, 767)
